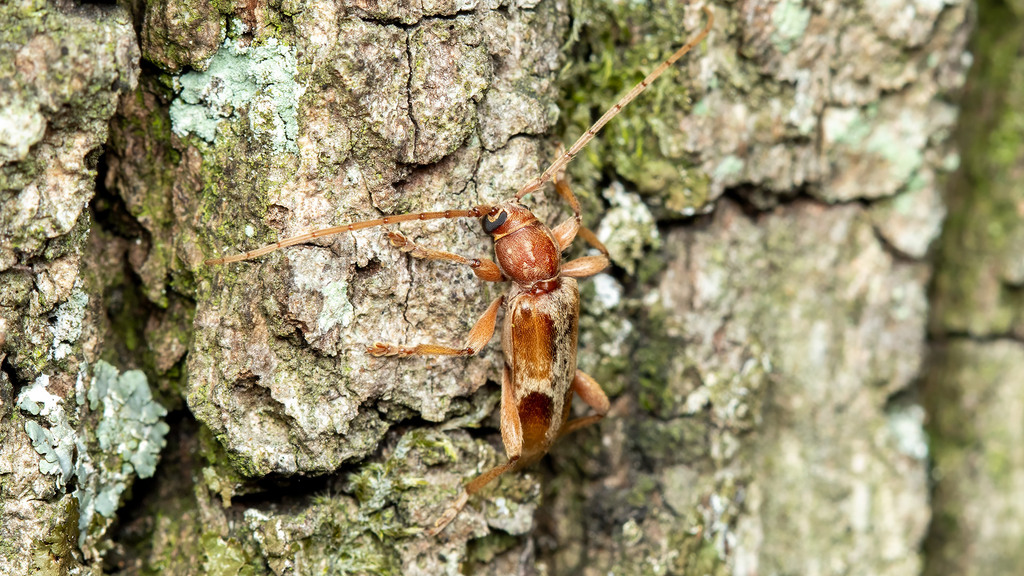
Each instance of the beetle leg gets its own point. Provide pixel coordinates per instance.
(590, 238)
(479, 336)
(511, 436)
(484, 269)
(585, 266)
(562, 187)
(591, 393)
(566, 232)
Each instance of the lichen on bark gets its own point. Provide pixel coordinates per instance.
(391, 118)
(326, 403)
(62, 68)
(827, 465)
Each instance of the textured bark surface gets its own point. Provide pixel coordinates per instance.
(74, 434)
(973, 386)
(763, 425)
(768, 206)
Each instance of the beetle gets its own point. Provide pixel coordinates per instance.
(539, 335)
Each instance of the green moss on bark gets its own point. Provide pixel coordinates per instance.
(641, 144)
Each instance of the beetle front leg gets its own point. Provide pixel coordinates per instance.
(484, 269)
(566, 232)
(479, 336)
(585, 266)
(511, 436)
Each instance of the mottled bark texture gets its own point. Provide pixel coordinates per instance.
(974, 387)
(768, 206)
(74, 433)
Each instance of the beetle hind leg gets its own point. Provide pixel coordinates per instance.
(474, 486)
(592, 395)
(511, 436)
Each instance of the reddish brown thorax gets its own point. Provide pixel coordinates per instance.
(526, 251)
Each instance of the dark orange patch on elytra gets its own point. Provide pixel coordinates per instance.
(533, 336)
(535, 417)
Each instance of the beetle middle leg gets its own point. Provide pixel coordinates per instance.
(479, 336)
(592, 395)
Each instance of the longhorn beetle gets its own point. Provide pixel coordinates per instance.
(541, 308)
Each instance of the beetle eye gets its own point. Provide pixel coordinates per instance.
(491, 225)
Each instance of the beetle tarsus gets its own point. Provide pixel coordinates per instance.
(449, 514)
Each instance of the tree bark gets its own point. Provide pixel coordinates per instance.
(972, 387)
(769, 205)
(74, 434)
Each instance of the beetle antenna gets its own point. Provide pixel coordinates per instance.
(587, 136)
(474, 212)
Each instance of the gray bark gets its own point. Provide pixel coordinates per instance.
(768, 205)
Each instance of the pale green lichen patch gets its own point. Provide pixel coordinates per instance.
(130, 433)
(259, 79)
(906, 427)
(883, 146)
(846, 126)
(116, 435)
(904, 157)
(131, 421)
(55, 444)
(729, 166)
(337, 308)
(790, 18)
(55, 447)
(67, 326)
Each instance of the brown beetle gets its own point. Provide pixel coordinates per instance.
(541, 308)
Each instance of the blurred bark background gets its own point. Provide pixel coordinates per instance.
(771, 206)
(972, 387)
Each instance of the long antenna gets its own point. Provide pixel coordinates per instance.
(475, 212)
(587, 136)
(479, 211)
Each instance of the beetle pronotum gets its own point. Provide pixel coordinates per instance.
(541, 308)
